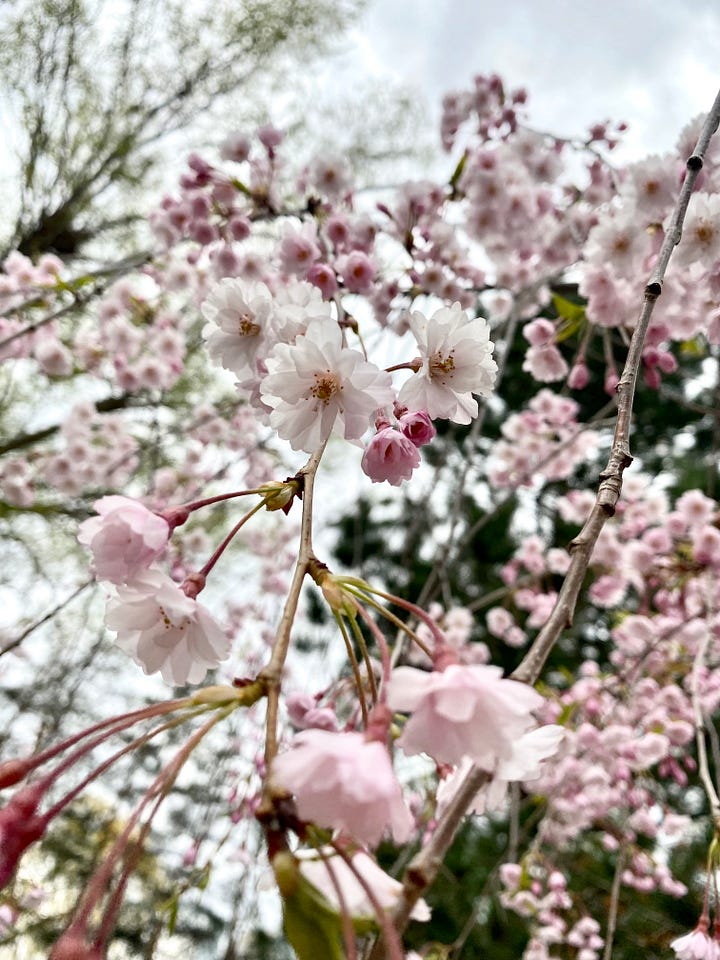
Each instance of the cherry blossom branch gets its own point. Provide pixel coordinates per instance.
(610, 487)
(703, 766)
(424, 867)
(79, 299)
(271, 674)
(614, 905)
(13, 644)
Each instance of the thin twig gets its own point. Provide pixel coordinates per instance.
(610, 486)
(272, 673)
(614, 905)
(703, 766)
(13, 644)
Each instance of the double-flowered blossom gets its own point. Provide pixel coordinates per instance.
(457, 362)
(240, 323)
(524, 764)
(463, 711)
(390, 456)
(318, 386)
(164, 629)
(344, 781)
(125, 538)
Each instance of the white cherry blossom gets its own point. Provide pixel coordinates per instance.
(240, 323)
(456, 362)
(317, 386)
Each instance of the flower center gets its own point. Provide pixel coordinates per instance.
(326, 386)
(441, 367)
(704, 232)
(247, 326)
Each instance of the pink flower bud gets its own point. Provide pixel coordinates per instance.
(579, 376)
(539, 332)
(323, 277)
(270, 137)
(19, 827)
(417, 427)
(390, 456)
(358, 272)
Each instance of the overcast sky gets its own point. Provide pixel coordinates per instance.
(653, 63)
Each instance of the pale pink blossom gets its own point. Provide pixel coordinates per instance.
(525, 763)
(545, 363)
(298, 249)
(125, 539)
(617, 240)
(357, 270)
(457, 361)
(164, 629)
(305, 714)
(390, 456)
(316, 387)
(696, 946)
(343, 781)
(54, 358)
(236, 147)
(316, 867)
(323, 277)
(240, 323)
(700, 242)
(331, 175)
(463, 710)
(539, 332)
(499, 621)
(654, 186)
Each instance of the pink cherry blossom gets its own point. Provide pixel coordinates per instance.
(317, 386)
(525, 764)
(124, 539)
(457, 361)
(463, 710)
(545, 363)
(417, 427)
(390, 456)
(298, 249)
(343, 781)
(164, 629)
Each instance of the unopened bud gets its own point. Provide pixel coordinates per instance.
(280, 496)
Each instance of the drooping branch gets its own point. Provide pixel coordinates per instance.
(610, 486)
(424, 867)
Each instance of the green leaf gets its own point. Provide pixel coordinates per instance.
(313, 928)
(172, 915)
(457, 172)
(572, 316)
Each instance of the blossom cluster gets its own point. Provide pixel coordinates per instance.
(378, 326)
